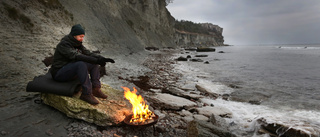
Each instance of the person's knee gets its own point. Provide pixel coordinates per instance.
(80, 65)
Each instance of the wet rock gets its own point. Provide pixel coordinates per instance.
(196, 60)
(207, 62)
(182, 59)
(187, 86)
(214, 89)
(181, 93)
(255, 102)
(155, 90)
(283, 130)
(188, 119)
(198, 128)
(185, 113)
(201, 55)
(225, 96)
(167, 101)
(188, 56)
(205, 49)
(109, 111)
(219, 121)
(200, 117)
(234, 86)
(191, 49)
(204, 89)
(218, 111)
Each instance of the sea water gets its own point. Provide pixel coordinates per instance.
(284, 78)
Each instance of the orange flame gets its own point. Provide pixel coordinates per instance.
(140, 110)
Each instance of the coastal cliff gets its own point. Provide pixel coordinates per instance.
(126, 26)
(30, 30)
(213, 37)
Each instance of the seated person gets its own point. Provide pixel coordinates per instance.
(71, 60)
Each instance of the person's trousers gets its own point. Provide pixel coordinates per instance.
(81, 70)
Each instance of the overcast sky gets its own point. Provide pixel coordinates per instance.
(247, 22)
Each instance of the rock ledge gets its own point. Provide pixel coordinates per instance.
(110, 111)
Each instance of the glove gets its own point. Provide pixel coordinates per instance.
(109, 60)
(102, 61)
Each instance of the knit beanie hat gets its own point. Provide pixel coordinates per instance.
(76, 30)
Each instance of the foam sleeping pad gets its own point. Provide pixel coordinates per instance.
(45, 84)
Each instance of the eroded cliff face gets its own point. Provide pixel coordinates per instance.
(124, 25)
(30, 30)
(189, 39)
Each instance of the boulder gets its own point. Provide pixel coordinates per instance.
(185, 113)
(206, 49)
(204, 89)
(182, 59)
(167, 101)
(196, 60)
(286, 131)
(187, 119)
(201, 55)
(198, 128)
(110, 111)
(200, 117)
(216, 110)
(220, 122)
(181, 93)
(191, 49)
(213, 89)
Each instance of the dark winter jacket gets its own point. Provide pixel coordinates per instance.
(71, 50)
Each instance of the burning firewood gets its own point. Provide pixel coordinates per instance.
(141, 113)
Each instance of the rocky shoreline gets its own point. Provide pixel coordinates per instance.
(160, 77)
(181, 109)
(175, 107)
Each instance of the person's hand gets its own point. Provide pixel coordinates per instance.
(102, 61)
(109, 60)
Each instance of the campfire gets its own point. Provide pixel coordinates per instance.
(141, 113)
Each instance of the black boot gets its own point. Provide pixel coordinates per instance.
(89, 98)
(98, 93)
